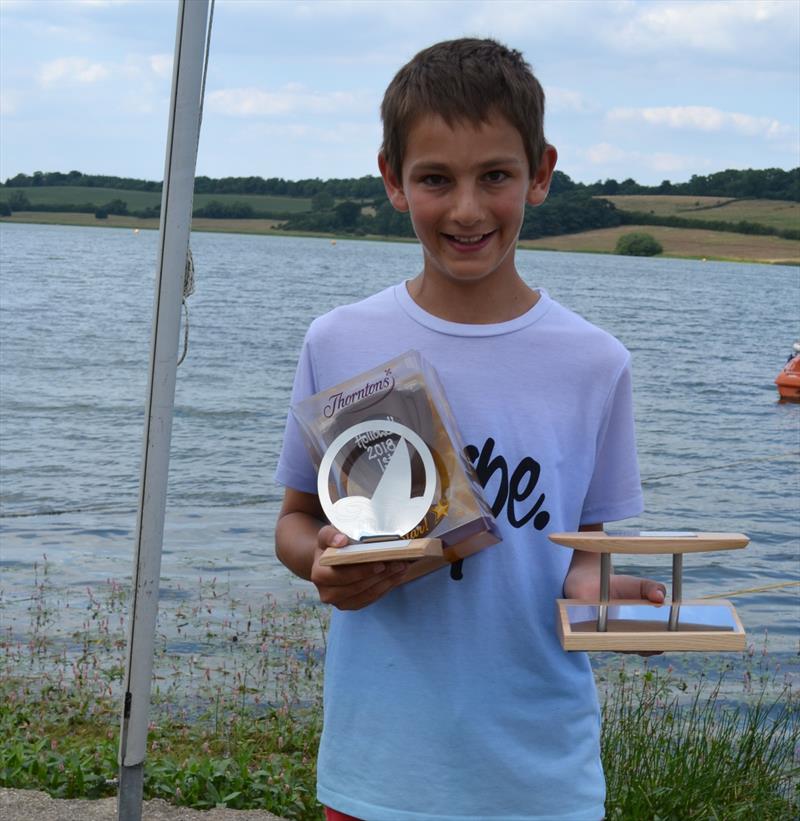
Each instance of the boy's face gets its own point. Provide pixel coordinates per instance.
(466, 187)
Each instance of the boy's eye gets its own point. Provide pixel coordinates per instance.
(434, 180)
(496, 176)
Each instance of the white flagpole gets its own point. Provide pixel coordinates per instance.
(175, 225)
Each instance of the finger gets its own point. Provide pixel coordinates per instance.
(376, 591)
(346, 575)
(329, 536)
(632, 587)
(363, 589)
(652, 591)
(339, 575)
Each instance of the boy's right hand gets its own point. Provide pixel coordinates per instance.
(351, 586)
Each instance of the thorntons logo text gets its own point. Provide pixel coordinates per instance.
(339, 401)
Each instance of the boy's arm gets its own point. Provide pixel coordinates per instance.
(301, 536)
(583, 579)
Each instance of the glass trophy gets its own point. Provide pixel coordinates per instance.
(391, 469)
(708, 624)
(375, 523)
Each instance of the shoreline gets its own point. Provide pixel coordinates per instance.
(693, 244)
(235, 718)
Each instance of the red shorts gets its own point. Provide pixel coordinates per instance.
(334, 815)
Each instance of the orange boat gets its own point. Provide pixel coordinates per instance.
(788, 380)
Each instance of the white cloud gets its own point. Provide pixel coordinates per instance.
(604, 153)
(72, 70)
(351, 133)
(139, 105)
(607, 154)
(720, 26)
(702, 118)
(161, 64)
(295, 131)
(662, 161)
(334, 132)
(292, 98)
(566, 99)
(66, 33)
(151, 70)
(9, 101)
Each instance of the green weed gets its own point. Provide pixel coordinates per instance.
(236, 712)
(679, 750)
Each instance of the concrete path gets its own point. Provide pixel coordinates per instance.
(31, 805)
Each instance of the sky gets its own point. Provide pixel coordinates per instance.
(648, 89)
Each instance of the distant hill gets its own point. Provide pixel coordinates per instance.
(357, 188)
(768, 183)
(753, 202)
(142, 202)
(779, 214)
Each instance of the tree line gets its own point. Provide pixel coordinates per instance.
(568, 210)
(360, 188)
(768, 183)
(739, 227)
(359, 206)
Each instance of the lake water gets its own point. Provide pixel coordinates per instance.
(717, 450)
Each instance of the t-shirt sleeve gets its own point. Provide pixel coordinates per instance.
(295, 468)
(615, 489)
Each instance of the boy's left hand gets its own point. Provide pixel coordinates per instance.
(632, 587)
(583, 582)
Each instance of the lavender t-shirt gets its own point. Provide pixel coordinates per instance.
(450, 698)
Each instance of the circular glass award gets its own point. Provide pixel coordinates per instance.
(369, 469)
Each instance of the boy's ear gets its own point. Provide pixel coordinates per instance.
(540, 181)
(393, 186)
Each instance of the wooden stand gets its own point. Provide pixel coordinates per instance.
(605, 624)
(397, 549)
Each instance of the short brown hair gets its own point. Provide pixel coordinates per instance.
(466, 79)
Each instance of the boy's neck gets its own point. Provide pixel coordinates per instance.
(477, 303)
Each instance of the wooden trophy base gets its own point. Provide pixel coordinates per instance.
(709, 625)
(397, 549)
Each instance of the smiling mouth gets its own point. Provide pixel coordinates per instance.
(475, 239)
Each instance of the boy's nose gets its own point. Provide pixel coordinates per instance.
(467, 208)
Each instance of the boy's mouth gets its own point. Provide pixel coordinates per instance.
(472, 241)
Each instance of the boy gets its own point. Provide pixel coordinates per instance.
(450, 697)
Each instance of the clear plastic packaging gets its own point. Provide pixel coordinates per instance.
(404, 392)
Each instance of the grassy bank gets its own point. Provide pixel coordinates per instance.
(677, 242)
(689, 243)
(235, 706)
(270, 227)
(235, 226)
(138, 200)
(236, 712)
(674, 748)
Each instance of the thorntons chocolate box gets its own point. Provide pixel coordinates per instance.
(392, 467)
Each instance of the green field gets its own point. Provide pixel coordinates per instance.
(691, 243)
(138, 200)
(780, 214)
